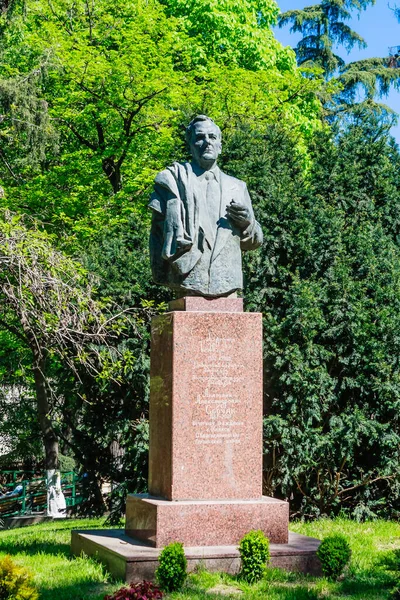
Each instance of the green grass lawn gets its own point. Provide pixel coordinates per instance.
(45, 550)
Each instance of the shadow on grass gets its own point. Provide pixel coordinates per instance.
(34, 546)
(45, 552)
(280, 585)
(275, 592)
(53, 539)
(367, 582)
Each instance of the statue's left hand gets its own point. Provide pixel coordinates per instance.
(239, 214)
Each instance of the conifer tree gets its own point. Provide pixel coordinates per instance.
(323, 28)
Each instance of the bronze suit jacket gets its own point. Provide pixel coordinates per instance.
(181, 258)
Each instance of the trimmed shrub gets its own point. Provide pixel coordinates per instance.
(137, 591)
(15, 582)
(334, 553)
(172, 565)
(254, 552)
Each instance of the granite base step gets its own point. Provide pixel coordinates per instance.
(204, 522)
(131, 559)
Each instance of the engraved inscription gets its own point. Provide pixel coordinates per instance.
(215, 409)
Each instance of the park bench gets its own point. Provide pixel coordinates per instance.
(36, 496)
(10, 505)
(33, 498)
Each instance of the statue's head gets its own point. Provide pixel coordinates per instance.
(204, 139)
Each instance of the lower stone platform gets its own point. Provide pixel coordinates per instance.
(134, 560)
(204, 522)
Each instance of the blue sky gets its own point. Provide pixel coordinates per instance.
(377, 25)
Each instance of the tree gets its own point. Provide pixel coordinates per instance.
(48, 306)
(232, 33)
(120, 80)
(328, 284)
(323, 28)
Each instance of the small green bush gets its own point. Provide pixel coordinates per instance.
(254, 552)
(334, 553)
(172, 565)
(15, 582)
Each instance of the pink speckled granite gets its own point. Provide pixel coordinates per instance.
(206, 523)
(205, 472)
(206, 406)
(198, 303)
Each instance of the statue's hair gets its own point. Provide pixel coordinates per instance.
(199, 119)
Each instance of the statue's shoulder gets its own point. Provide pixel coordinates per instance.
(169, 184)
(233, 181)
(174, 171)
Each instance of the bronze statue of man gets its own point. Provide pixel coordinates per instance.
(202, 219)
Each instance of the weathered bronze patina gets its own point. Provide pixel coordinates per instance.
(202, 220)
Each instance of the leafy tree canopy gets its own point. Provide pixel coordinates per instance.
(232, 32)
(117, 81)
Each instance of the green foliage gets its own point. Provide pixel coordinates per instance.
(236, 33)
(118, 81)
(323, 28)
(373, 75)
(18, 418)
(26, 133)
(254, 554)
(334, 554)
(328, 283)
(15, 582)
(171, 571)
(66, 463)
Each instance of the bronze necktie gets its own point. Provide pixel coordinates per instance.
(213, 202)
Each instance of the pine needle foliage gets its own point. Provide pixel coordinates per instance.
(328, 284)
(323, 27)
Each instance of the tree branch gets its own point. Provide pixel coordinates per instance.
(80, 137)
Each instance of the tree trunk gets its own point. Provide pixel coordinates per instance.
(50, 439)
(113, 171)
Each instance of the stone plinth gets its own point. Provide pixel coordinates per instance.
(133, 560)
(200, 304)
(204, 523)
(205, 463)
(206, 405)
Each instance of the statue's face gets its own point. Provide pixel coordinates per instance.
(205, 144)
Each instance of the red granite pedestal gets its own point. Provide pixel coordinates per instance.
(205, 463)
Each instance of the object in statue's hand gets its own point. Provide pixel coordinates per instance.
(239, 214)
